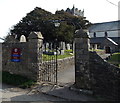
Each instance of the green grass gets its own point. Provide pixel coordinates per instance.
(115, 57)
(64, 56)
(67, 53)
(17, 80)
(97, 50)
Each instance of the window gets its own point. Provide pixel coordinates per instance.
(106, 34)
(94, 34)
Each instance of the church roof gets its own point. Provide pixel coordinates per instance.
(100, 40)
(113, 42)
(105, 26)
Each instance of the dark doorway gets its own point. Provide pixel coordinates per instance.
(107, 49)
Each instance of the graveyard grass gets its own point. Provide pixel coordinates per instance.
(115, 59)
(68, 53)
(17, 80)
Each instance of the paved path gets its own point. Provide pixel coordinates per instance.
(66, 79)
(45, 92)
(11, 93)
(67, 75)
(104, 56)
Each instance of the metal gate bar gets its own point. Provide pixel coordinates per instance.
(48, 72)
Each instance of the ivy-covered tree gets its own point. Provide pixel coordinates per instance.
(43, 21)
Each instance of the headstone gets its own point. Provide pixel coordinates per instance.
(95, 47)
(47, 45)
(61, 52)
(22, 38)
(62, 45)
(68, 46)
(43, 47)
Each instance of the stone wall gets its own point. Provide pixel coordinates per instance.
(30, 56)
(61, 64)
(31, 64)
(0, 57)
(15, 67)
(48, 70)
(65, 63)
(105, 77)
(92, 73)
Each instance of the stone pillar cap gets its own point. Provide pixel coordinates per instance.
(81, 34)
(35, 35)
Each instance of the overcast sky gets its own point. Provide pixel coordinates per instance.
(12, 11)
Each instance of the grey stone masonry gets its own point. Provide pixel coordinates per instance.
(92, 72)
(30, 56)
(35, 52)
(105, 77)
(82, 60)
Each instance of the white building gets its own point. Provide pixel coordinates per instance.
(106, 31)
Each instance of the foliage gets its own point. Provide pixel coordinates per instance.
(41, 20)
(17, 80)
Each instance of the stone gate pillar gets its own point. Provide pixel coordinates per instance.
(35, 53)
(82, 75)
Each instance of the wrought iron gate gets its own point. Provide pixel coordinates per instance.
(48, 72)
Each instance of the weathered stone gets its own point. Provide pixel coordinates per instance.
(81, 34)
(30, 57)
(0, 56)
(22, 38)
(68, 46)
(82, 60)
(92, 72)
(35, 35)
(61, 52)
(11, 39)
(62, 45)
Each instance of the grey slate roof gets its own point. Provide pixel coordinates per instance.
(113, 42)
(105, 26)
(99, 40)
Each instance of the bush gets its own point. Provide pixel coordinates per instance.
(17, 80)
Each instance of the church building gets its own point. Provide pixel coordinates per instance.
(74, 11)
(105, 35)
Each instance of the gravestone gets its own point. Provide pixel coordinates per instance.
(47, 45)
(68, 46)
(62, 45)
(61, 52)
(22, 38)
